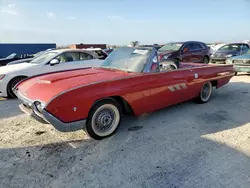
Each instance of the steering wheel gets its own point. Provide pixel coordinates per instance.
(169, 65)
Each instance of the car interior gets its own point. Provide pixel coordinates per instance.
(170, 65)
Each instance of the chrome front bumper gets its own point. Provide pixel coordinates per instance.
(29, 108)
(242, 68)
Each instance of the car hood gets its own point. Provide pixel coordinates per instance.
(55, 83)
(20, 61)
(15, 67)
(3, 59)
(242, 57)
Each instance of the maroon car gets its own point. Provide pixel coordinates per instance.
(191, 51)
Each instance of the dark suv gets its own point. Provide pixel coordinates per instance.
(191, 51)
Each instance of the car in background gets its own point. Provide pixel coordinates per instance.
(50, 61)
(191, 51)
(13, 57)
(215, 47)
(241, 63)
(156, 46)
(108, 50)
(27, 60)
(101, 54)
(227, 51)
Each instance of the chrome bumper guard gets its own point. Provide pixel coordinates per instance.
(44, 117)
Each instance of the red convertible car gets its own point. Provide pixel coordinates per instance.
(129, 81)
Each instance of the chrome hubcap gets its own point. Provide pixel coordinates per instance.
(104, 120)
(205, 93)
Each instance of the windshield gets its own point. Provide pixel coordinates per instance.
(234, 47)
(127, 59)
(39, 53)
(248, 52)
(11, 56)
(170, 47)
(47, 56)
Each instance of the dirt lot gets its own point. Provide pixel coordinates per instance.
(187, 145)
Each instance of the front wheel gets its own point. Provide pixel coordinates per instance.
(205, 93)
(12, 84)
(104, 119)
(205, 60)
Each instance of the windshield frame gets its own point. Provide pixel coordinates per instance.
(143, 66)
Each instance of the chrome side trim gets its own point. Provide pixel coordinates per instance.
(63, 127)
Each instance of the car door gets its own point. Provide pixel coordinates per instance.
(198, 53)
(186, 53)
(165, 88)
(168, 88)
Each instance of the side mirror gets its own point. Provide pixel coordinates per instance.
(54, 62)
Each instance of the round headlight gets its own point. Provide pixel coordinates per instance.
(39, 106)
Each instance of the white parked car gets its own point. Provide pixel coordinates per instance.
(215, 47)
(51, 61)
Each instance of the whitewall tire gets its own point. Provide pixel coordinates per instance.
(104, 119)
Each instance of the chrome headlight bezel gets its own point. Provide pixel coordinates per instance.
(39, 106)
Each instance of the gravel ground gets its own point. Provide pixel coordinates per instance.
(187, 145)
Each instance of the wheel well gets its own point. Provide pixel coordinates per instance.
(207, 57)
(14, 79)
(126, 108)
(214, 83)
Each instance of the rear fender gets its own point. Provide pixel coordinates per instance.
(223, 81)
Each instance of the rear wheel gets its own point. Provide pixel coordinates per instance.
(205, 93)
(104, 119)
(12, 84)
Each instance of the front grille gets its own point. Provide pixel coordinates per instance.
(218, 59)
(219, 55)
(241, 61)
(238, 61)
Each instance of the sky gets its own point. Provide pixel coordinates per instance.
(118, 22)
